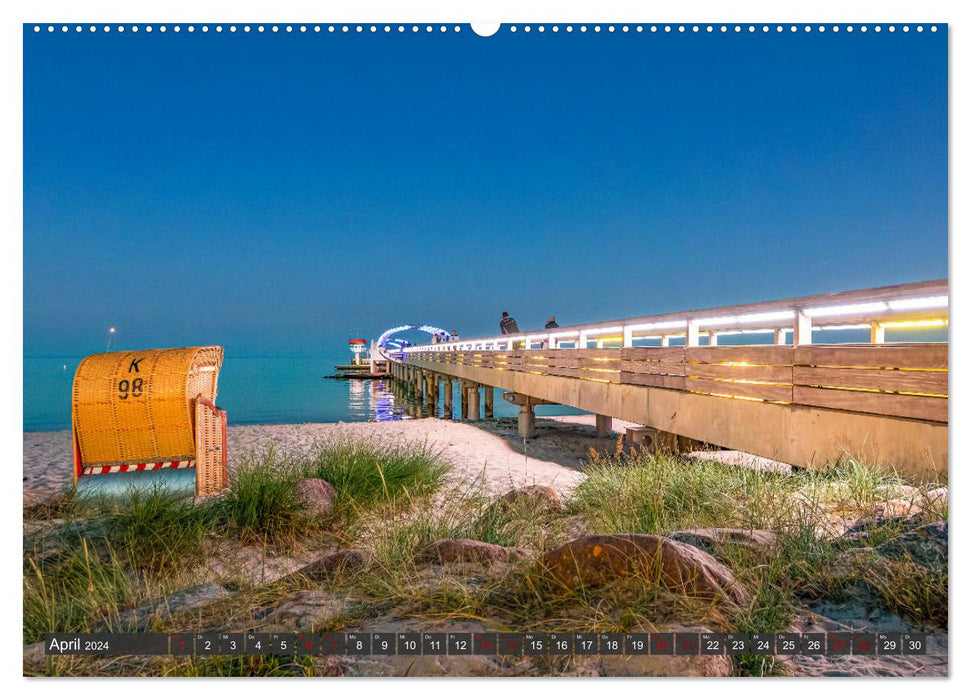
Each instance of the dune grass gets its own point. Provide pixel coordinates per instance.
(391, 502)
(157, 530)
(365, 473)
(112, 554)
(263, 503)
(656, 494)
(70, 592)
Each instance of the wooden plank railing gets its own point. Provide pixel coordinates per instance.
(899, 380)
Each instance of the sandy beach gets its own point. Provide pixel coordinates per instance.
(489, 451)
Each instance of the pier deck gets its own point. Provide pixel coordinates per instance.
(800, 403)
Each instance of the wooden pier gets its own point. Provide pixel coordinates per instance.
(789, 400)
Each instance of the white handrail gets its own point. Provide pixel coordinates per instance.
(918, 304)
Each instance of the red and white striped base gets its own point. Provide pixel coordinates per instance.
(141, 467)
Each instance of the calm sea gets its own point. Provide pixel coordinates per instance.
(252, 390)
(293, 389)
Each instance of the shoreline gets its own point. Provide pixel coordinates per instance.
(489, 451)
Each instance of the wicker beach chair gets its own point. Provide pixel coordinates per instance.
(149, 412)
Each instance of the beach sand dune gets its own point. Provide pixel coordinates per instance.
(490, 452)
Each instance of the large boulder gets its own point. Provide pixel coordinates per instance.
(318, 495)
(465, 551)
(925, 546)
(595, 560)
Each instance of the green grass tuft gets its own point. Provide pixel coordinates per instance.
(263, 503)
(87, 585)
(159, 530)
(365, 473)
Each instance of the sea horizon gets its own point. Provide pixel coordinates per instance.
(253, 389)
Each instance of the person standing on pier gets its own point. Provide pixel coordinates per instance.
(507, 324)
(551, 323)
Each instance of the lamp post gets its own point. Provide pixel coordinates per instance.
(111, 335)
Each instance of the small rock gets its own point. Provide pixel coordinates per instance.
(341, 561)
(936, 498)
(254, 565)
(535, 498)
(319, 496)
(306, 609)
(574, 526)
(34, 655)
(594, 560)
(183, 601)
(707, 539)
(925, 546)
(897, 507)
(454, 551)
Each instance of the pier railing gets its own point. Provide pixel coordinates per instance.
(788, 322)
(903, 380)
(787, 399)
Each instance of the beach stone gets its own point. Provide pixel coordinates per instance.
(254, 565)
(319, 496)
(925, 546)
(864, 528)
(936, 498)
(448, 665)
(34, 656)
(459, 551)
(856, 616)
(180, 602)
(708, 539)
(594, 560)
(333, 563)
(306, 610)
(897, 507)
(538, 498)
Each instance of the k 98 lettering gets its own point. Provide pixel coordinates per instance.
(133, 388)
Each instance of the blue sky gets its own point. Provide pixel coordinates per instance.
(277, 193)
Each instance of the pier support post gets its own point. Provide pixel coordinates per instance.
(877, 333)
(490, 396)
(474, 413)
(431, 389)
(435, 399)
(465, 399)
(802, 329)
(447, 399)
(527, 421)
(419, 388)
(692, 337)
(604, 425)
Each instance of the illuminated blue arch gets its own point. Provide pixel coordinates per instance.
(386, 338)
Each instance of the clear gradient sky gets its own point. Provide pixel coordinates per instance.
(277, 193)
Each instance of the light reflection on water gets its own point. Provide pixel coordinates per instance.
(374, 399)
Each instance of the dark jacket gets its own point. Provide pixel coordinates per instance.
(552, 324)
(508, 325)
